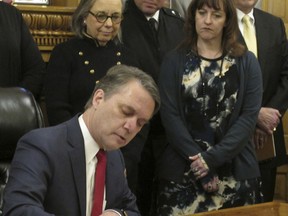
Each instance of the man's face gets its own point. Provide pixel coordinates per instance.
(149, 7)
(245, 5)
(115, 120)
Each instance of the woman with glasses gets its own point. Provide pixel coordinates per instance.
(77, 64)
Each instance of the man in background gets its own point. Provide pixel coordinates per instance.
(149, 30)
(272, 53)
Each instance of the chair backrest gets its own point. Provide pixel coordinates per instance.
(19, 113)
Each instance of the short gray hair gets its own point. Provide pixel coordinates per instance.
(118, 76)
(80, 14)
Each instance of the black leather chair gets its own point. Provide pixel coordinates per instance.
(19, 113)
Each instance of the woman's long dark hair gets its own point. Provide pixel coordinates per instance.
(231, 31)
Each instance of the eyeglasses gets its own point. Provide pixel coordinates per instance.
(102, 17)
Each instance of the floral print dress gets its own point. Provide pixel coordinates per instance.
(209, 93)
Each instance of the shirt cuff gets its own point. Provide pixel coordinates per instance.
(118, 213)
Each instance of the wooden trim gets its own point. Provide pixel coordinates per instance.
(49, 25)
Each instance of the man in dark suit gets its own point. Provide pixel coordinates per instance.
(149, 30)
(272, 53)
(138, 35)
(52, 172)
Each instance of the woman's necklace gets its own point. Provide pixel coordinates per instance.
(204, 88)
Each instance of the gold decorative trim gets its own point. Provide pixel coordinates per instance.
(49, 25)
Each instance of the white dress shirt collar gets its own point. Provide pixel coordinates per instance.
(91, 147)
(155, 16)
(240, 16)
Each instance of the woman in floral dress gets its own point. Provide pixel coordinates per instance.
(211, 94)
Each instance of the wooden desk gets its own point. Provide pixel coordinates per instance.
(264, 209)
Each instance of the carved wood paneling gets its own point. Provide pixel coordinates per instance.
(49, 25)
(69, 3)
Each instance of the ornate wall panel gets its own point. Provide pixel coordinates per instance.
(49, 25)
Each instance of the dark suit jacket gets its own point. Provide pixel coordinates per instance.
(73, 69)
(273, 59)
(137, 35)
(48, 175)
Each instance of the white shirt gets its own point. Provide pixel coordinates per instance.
(155, 16)
(91, 149)
(240, 16)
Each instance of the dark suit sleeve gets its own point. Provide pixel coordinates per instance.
(27, 183)
(279, 100)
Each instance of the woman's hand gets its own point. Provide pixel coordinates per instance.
(198, 166)
(200, 169)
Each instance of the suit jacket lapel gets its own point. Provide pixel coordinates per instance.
(262, 39)
(77, 158)
(109, 177)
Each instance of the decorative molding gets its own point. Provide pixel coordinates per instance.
(49, 25)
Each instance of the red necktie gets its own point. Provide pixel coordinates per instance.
(99, 183)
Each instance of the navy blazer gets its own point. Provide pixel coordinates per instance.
(273, 59)
(48, 175)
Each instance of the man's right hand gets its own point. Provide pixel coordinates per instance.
(268, 119)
